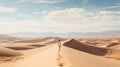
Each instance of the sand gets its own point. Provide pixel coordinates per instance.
(9, 52)
(46, 58)
(20, 47)
(34, 40)
(86, 48)
(81, 59)
(36, 45)
(113, 44)
(16, 59)
(44, 53)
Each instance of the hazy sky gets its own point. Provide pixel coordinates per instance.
(59, 15)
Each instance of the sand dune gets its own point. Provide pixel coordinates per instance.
(66, 58)
(36, 45)
(18, 47)
(113, 44)
(46, 58)
(54, 41)
(9, 52)
(51, 42)
(81, 59)
(7, 38)
(86, 48)
(73, 54)
(34, 40)
(113, 51)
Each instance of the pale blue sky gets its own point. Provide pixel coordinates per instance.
(59, 15)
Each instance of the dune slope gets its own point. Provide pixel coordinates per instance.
(86, 48)
(9, 52)
(81, 59)
(20, 47)
(46, 58)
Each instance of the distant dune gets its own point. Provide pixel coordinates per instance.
(54, 41)
(86, 48)
(36, 45)
(34, 40)
(113, 44)
(9, 52)
(7, 38)
(29, 52)
(19, 47)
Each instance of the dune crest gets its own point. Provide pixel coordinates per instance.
(36, 40)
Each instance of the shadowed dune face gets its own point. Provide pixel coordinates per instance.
(86, 48)
(9, 52)
(36, 45)
(20, 47)
(113, 44)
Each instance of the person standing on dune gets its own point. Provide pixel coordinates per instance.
(59, 43)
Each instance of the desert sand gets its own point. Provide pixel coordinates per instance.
(76, 52)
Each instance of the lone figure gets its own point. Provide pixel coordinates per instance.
(59, 44)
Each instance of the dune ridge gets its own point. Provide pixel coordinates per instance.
(86, 48)
(34, 40)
